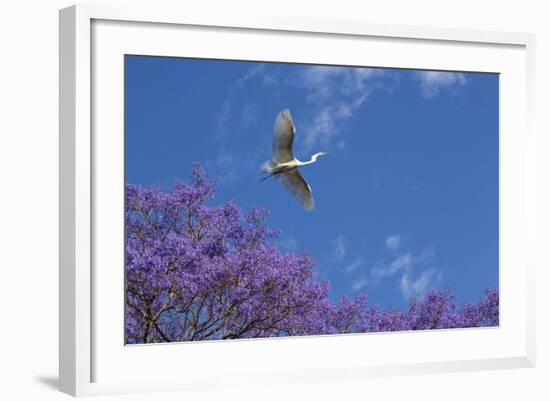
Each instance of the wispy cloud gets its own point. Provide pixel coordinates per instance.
(393, 242)
(359, 284)
(416, 287)
(233, 115)
(255, 70)
(354, 265)
(339, 247)
(263, 73)
(249, 114)
(326, 125)
(227, 166)
(325, 82)
(415, 271)
(426, 256)
(337, 93)
(432, 82)
(223, 114)
(270, 79)
(402, 262)
(232, 119)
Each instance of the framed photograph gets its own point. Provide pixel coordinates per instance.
(267, 200)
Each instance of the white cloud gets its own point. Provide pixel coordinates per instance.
(223, 114)
(431, 82)
(359, 283)
(258, 71)
(426, 256)
(393, 242)
(417, 287)
(402, 262)
(325, 126)
(338, 92)
(405, 265)
(339, 247)
(354, 266)
(254, 71)
(326, 82)
(321, 81)
(270, 79)
(250, 114)
(226, 166)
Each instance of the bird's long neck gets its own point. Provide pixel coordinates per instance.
(311, 161)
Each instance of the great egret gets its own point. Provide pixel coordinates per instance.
(284, 165)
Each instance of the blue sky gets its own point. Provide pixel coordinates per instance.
(406, 200)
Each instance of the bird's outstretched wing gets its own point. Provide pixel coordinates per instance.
(299, 188)
(283, 137)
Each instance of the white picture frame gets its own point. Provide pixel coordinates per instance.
(86, 349)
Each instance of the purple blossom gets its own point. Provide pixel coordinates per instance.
(198, 272)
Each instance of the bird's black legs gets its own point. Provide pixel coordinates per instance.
(262, 179)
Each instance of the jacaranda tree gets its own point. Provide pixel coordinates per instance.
(197, 272)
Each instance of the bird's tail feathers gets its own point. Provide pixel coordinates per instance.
(268, 167)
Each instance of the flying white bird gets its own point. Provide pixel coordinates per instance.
(284, 165)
